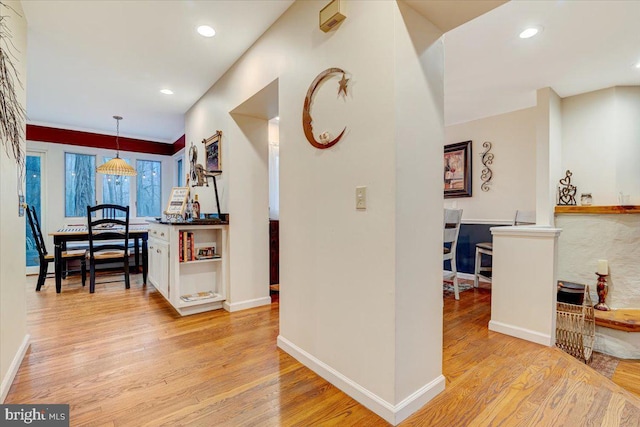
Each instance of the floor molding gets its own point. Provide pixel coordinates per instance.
(522, 333)
(393, 414)
(13, 368)
(244, 305)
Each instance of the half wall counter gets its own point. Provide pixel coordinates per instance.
(189, 263)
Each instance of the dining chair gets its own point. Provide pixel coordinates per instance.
(44, 257)
(486, 248)
(452, 220)
(113, 243)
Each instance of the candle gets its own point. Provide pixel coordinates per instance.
(603, 267)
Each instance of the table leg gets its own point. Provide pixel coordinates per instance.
(57, 260)
(136, 241)
(145, 260)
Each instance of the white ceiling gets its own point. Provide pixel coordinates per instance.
(585, 46)
(89, 60)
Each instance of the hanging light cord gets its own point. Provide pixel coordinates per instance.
(118, 118)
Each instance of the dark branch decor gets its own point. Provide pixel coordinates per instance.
(566, 191)
(487, 174)
(12, 113)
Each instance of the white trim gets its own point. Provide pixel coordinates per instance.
(526, 231)
(393, 414)
(13, 368)
(488, 221)
(522, 333)
(244, 305)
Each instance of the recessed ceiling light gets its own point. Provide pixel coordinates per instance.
(166, 91)
(638, 65)
(277, 117)
(206, 31)
(530, 32)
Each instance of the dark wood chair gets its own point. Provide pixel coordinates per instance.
(44, 256)
(108, 240)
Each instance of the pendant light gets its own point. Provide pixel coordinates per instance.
(117, 166)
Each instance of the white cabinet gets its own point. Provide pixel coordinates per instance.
(191, 286)
(159, 265)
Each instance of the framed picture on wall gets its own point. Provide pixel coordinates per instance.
(457, 170)
(213, 148)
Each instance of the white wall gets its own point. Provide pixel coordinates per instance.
(549, 123)
(341, 288)
(601, 135)
(54, 181)
(513, 187)
(13, 312)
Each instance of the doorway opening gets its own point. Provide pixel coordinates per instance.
(274, 208)
(257, 143)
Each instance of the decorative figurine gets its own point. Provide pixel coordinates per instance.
(602, 293)
(566, 191)
(603, 272)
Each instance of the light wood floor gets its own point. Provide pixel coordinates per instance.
(125, 358)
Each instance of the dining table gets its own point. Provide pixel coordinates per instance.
(139, 233)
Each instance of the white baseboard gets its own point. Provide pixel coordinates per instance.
(522, 333)
(13, 368)
(393, 414)
(243, 305)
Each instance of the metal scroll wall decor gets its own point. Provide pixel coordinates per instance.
(566, 191)
(487, 173)
(325, 139)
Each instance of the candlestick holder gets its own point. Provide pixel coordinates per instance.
(602, 293)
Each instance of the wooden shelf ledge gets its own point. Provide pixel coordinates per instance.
(624, 319)
(632, 209)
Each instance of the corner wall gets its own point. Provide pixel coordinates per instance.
(13, 312)
(341, 286)
(600, 145)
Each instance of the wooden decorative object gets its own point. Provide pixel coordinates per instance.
(213, 148)
(325, 140)
(602, 293)
(575, 328)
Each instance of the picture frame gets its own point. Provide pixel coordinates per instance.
(213, 150)
(177, 201)
(457, 170)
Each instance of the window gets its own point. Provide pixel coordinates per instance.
(180, 174)
(116, 189)
(149, 191)
(80, 184)
(33, 196)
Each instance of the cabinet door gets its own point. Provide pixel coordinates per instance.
(163, 268)
(159, 265)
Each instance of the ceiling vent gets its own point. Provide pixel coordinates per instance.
(331, 15)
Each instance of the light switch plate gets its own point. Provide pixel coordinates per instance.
(361, 198)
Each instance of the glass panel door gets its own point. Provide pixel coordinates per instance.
(33, 197)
